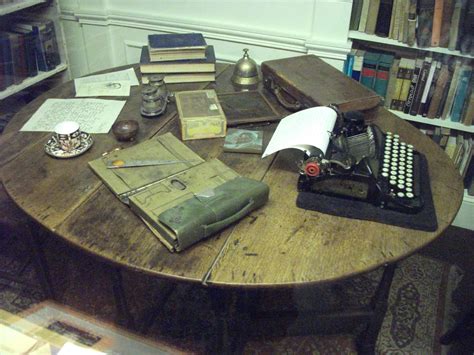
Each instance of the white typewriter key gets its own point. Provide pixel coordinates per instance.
(385, 174)
(410, 146)
(393, 182)
(386, 161)
(400, 194)
(409, 181)
(410, 195)
(403, 144)
(396, 136)
(408, 189)
(385, 170)
(401, 186)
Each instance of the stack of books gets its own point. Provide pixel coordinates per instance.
(181, 58)
(26, 48)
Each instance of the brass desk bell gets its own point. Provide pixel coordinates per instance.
(154, 97)
(245, 71)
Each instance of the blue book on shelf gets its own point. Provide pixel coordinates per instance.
(176, 41)
(461, 93)
(369, 69)
(6, 62)
(383, 72)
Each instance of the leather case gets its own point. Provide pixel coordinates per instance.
(307, 81)
(208, 212)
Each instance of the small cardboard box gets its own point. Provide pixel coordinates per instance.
(200, 115)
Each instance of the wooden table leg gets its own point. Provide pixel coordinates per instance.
(366, 340)
(33, 237)
(123, 311)
(228, 326)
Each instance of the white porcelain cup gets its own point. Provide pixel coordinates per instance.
(68, 135)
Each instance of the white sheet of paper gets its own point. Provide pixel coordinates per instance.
(303, 130)
(93, 115)
(122, 75)
(108, 84)
(103, 88)
(14, 342)
(73, 349)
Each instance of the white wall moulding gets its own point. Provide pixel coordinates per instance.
(271, 29)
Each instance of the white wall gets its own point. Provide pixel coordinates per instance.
(105, 33)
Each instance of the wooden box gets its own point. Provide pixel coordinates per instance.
(307, 81)
(200, 114)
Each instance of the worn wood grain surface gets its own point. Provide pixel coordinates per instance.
(277, 245)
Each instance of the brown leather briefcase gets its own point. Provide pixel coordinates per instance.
(307, 81)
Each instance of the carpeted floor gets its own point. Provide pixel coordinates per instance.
(420, 308)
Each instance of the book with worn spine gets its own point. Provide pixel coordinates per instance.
(176, 46)
(207, 64)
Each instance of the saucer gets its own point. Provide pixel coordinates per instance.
(52, 147)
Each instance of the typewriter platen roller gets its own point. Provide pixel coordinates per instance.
(364, 163)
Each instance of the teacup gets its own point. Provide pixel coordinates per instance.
(68, 135)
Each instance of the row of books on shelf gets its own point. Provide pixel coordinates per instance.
(433, 87)
(180, 58)
(26, 48)
(426, 23)
(459, 147)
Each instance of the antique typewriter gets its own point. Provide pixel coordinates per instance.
(363, 163)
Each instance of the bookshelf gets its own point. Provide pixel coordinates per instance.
(464, 216)
(41, 9)
(362, 36)
(18, 5)
(435, 122)
(13, 89)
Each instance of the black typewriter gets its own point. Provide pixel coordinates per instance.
(363, 163)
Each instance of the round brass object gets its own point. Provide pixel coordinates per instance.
(245, 71)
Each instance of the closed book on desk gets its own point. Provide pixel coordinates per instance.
(307, 81)
(176, 46)
(207, 64)
(173, 78)
(185, 200)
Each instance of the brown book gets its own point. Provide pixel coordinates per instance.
(468, 111)
(437, 20)
(372, 15)
(307, 81)
(448, 7)
(455, 23)
(411, 23)
(452, 90)
(443, 79)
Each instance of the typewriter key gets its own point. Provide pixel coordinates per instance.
(401, 186)
(385, 174)
(400, 194)
(410, 195)
(393, 182)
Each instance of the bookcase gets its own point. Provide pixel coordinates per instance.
(362, 39)
(37, 10)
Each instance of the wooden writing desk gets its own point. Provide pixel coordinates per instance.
(278, 245)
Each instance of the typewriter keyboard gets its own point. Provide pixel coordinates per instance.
(399, 172)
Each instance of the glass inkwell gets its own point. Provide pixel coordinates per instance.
(154, 97)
